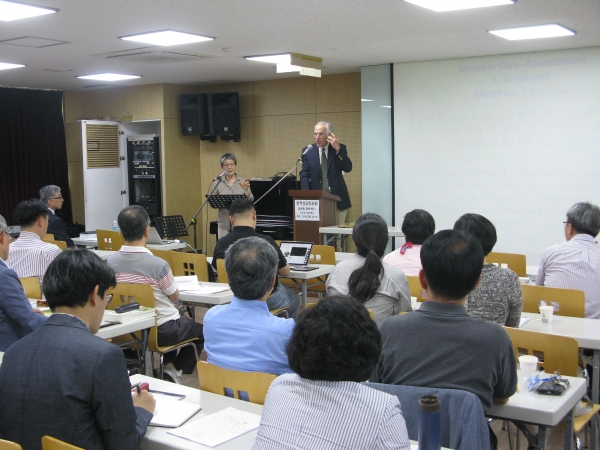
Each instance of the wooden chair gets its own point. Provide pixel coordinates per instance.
(49, 238)
(50, 443)
(32, 287)
(8, 445)
(109, 240)
(167, 255)
(514, 261)
(415, 288)
(571, 301)
(143, 294)
(249, 386)
(189, 264)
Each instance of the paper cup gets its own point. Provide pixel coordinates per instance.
(546, 312)
(528, 365)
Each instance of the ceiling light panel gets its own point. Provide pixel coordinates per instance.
(109, 77)
(533, 32)
(15, 11)
(6, 66)
(281, 58)
(454, 5)
(167, 38)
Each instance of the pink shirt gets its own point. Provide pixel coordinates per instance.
(409, 263)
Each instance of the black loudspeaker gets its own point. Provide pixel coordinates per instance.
(194, 117)
(224, 117)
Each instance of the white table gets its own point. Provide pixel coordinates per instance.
(587, 334)
(543, 410)
(300, 277)
(94, 243)
(329, 233)
(190, 298)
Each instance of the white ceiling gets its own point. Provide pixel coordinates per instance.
(346, 34)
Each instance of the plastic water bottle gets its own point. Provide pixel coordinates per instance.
(115, 225)
(429, 423)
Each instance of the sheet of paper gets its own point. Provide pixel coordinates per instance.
(220, 427)
(187, 283)
(171, 412)
(523, 321)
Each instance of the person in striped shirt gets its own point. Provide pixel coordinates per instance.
(575, 264)
(29, 256)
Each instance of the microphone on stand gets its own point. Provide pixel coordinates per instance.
(305, 152)
(218, 177)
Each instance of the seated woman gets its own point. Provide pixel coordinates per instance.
(382, 288)
(334, 347)
(417, 226)
(498, 298)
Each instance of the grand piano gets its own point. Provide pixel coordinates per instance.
(274, 213)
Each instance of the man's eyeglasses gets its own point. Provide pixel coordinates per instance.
(60, 197)
(109, 299)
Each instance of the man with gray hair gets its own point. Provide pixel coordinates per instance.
(17, 317)
(53, 199)
(323, 165)
(575, 264)
(244, 335)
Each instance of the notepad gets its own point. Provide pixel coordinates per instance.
(172, 413)
(220, 427)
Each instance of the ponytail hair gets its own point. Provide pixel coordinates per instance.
(370, 235)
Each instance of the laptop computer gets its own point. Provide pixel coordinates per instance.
(297, 254)
(155, 238)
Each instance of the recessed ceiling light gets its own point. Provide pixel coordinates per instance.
(533, 32)
(454, 5)
(15, 11)
(6, 66)
(109, 77)
(167, 38)
(280, 58)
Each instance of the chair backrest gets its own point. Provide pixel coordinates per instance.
(221, 272)
(322, 254)
(249, 386)
(49, 238)
(571, 301)
(32, 287)
(190, 264)
(463, 424)
(415, 288)
(167, 255)
(8, 445)
(109, 240)
(143, 294)
(50, 443)
(553, 352)
(514, 261)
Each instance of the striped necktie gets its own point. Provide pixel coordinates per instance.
(324, 170)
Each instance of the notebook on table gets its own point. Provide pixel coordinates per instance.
(297, 254)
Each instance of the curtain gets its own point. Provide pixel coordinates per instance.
(33, 150)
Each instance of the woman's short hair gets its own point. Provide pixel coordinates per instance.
(480, 228)
(227, 156)
(417, 226)
(370, 235)
(335, 341)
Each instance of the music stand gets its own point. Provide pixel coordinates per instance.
(170, 227)
(222, 201)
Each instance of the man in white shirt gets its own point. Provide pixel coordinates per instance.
(575, 264)
(29, 256)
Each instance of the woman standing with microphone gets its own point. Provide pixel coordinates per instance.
(231, 184)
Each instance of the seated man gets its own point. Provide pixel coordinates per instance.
(243, 220)
(63, 381)
(244, 335)
(134, 263)
(439, 345)
(575, 264)
(53, 199)
(29, 256)
(417, 226)
(17, 318)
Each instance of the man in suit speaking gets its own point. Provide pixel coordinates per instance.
(322, 165)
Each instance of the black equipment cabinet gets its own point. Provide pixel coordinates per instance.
(144, 173)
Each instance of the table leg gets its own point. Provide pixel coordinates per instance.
(146, 353)
(542, 438)
(569, 431)
(304, 293)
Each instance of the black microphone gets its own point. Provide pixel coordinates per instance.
(220, 176)
(305, 152)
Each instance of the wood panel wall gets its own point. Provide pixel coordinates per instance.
(277, 120)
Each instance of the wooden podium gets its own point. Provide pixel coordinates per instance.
(308, 230)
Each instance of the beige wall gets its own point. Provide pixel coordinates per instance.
(277, 120)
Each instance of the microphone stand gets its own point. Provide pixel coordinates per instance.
(281, 179)
(193, 222)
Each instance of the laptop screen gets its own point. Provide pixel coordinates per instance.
(296, 253)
